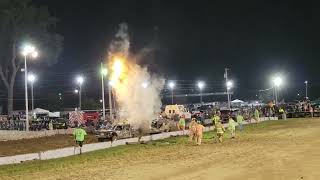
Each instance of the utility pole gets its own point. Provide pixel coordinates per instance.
(80, 97)
(110, 101)
(103, 73)
(276, 94)
(26, 92)
(228, 94)
(306, 82)
(32, 98)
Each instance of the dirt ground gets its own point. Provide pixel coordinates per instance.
(24, 146)
(279, 150)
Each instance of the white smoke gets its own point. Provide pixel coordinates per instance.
(138, 93)
(121, 43)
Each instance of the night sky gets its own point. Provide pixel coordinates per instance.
(190, 41)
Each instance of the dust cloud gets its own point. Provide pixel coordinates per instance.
(137, 90)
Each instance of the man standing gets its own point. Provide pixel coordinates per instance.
(232, 127)
(283, 113)
(256, 114)
(311, 110)
(220, 130)
(199, 132)
(240, 120)
(79, 135)
(182, 123)
(192, 129)
(215, 119)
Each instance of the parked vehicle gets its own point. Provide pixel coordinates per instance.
(118, 131)
(180, 110)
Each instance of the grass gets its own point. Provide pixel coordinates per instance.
(133, 153)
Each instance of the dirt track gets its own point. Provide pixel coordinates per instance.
(285, 150)
(24, 146)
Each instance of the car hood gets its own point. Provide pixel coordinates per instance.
(105, 131)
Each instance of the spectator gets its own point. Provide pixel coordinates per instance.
(79, 135)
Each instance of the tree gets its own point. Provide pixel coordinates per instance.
(21, 22)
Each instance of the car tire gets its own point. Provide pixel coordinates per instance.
(114, 138)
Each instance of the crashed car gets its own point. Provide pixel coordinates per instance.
(118, 131)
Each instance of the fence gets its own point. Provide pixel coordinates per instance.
(6, 135)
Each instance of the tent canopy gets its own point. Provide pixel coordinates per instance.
(40, 111)
(237, 101)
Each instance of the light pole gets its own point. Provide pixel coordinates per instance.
(306, 82)
(201, 86)
(80, 82)
(171, 86)
(277, 81)
(27, 50)
(104, 72)
(32, 78)
(229, 86)
(111, 83)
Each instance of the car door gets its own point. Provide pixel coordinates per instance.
(126, 131)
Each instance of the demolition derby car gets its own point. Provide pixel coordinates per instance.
(118, 131)
(123, 131)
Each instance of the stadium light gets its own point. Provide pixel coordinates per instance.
(229, 85)
(80, 81)
(171, 86)
(201, 86)
(27, 49)
(277, 81)
(31, 78)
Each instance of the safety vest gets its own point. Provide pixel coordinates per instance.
(220, 128)
(215, 119)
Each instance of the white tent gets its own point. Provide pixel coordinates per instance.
(40, 111)
(237, 101)
(54, 114)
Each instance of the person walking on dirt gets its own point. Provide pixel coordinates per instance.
(256, 114)
(215, 119)
(283, 113)
(232, 127)
(182, 123)
(79, 135)
(50, 126)
(220, 130)
(192, 129)
(199, 132)
(240, 120)
(311, 110)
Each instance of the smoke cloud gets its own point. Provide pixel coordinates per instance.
(137, 90)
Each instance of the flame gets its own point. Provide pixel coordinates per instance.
(119, 68)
